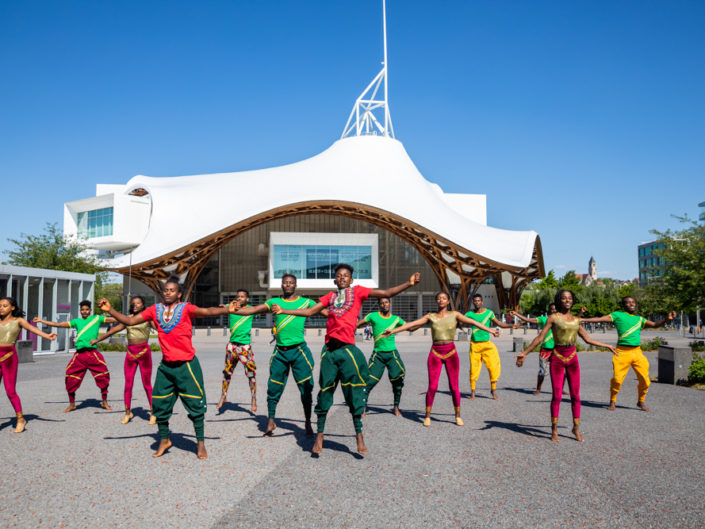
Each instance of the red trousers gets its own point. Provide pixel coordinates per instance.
(82, 361)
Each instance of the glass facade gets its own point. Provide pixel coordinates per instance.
(318, 261)
(95, 223)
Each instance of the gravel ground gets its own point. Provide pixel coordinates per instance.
(85, 469)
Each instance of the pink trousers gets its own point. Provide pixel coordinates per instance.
(564, 364)
(443, 355)
(139, 355)
(8, 374)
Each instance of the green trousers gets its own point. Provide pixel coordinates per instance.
(300, 360)
(346, 365)
(395, 370)
(182, 380)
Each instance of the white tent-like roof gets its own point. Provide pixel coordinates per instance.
(366, 177)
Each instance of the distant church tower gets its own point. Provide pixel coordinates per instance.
(592, 269)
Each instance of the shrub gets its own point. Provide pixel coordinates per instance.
(653, 345)
(696, 371)
(697, 347)
(121, 347)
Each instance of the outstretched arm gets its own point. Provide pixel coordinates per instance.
(467, 321)
(388, 293)
(539, 339)
(209, 312)
(125, 319)
(31, 328)
(523, 318)
(410, 326)
(586, 338)
(598, 319)
(61, 325)
(504, 325)
(669, 317)
(318, 307)
(248, 311)
(119, 327)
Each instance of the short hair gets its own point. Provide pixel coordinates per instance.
(379, 301)
(557, 298)
(476, 296)
(247, 292)
(625, 298)
(174, 280)
(85, 303)
(344, 266)
(442, 292)
(292, 276)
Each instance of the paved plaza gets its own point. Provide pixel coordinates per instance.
(85, 469)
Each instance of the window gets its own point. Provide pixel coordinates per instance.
(95, 223)
(309, 261)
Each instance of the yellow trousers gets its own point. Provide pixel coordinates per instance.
(484, 353)
(629, 357)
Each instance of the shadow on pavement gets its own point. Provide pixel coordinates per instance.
(531, 431)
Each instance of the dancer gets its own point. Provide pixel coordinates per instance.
(11, 323)
(629, 353)
(138, 354)
(443, 353)
(547, 344)
(482, 350)
(239, 350)
(341, 360)
(385, 354)
(179, 373)
(564, 359)
(290, 352)
(86, 356)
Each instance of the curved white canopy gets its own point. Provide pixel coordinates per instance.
(372, 171)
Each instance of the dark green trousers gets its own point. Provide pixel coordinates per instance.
(300, 360)
(348, 366)
(390, 360)
(182, 380)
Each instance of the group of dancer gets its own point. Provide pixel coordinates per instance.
(179, 374)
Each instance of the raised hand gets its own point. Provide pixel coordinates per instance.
(415, 278)
(583, 310)
(52, 336)
(671, 316)
(512, 313)
(104, 305)
(233, 307)
(276, 309)
(37, 319)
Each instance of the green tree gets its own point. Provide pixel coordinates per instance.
(684, 256)
(53, 251)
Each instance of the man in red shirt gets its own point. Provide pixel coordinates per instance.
(179, 373)
(341, 360)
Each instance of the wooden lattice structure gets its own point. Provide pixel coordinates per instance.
(458, 269)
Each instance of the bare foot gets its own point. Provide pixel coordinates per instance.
(104, 404)
(396, 411)
(222, 400)
(309, 429)
(576, 433)
(127, 418)
(612, 406)
(201, 450)
(459, 421)
(494, 395)
(318, 445)
(361, 448)
(554, 434)
(427, 420)
(253, 405)
(71, 407)
(271, 426)
(642, 406)
(537, 392)
(472, 395)
(164, 445)
(21, 423)
(152, 419)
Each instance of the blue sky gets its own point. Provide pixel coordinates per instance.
(584, 121)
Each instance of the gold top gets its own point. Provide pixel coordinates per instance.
(443, 329)
(565, 333)
(139, 332)
(10, 331)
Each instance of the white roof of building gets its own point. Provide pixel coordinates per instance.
(372, 171)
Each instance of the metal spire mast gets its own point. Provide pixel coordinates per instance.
(362, 120)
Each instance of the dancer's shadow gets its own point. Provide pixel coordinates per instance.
(231, 406)
(87, 403)
(180, 441)
(531, 431)
(29, 419)
(525, 391)
(328, 444)
(142, 413)
(292, 428)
